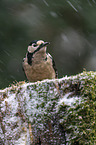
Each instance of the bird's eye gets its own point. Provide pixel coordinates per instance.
(34, 45)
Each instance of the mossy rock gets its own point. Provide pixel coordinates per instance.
(57, 112)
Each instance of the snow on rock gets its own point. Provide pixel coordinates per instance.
(49, 112)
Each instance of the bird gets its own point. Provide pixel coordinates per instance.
(38, 63)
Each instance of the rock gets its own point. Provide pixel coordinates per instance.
(57, 112)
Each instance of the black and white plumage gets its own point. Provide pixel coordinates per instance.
(38, 64)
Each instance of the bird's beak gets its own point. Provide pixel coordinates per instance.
(44, 44)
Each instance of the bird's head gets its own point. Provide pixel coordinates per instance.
(37, 45)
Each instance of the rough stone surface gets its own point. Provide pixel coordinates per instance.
(51, 112)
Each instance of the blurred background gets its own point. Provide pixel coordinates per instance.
(69, 26)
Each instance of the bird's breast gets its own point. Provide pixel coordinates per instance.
(39, 70)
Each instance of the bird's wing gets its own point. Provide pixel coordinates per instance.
(54, 66)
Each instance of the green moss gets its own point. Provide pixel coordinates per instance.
(64, 108)
(79, 119)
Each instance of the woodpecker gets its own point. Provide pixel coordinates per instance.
(38, 64)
